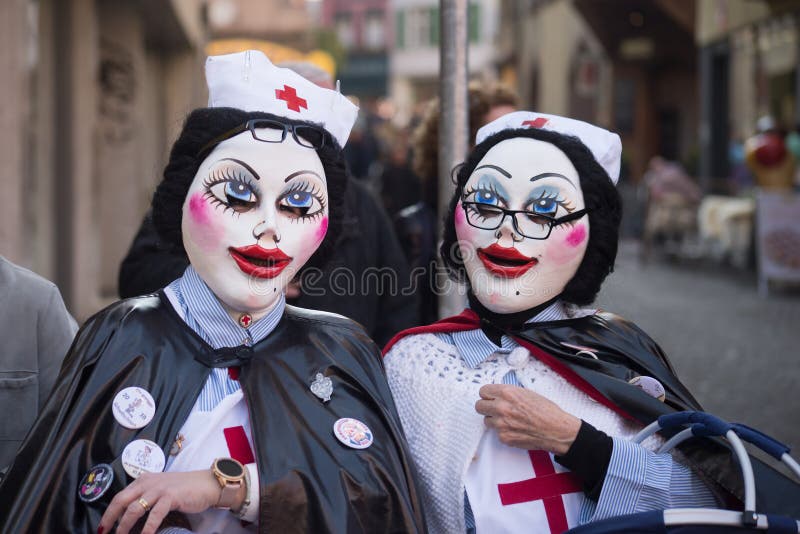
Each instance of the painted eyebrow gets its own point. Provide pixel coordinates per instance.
(245, 165)
(498, 169)
(301, 172)
(552, 175)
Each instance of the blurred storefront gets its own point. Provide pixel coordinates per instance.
(628, 65)
(749, 55)
(750, 113)
(651, 48)
(93, 93)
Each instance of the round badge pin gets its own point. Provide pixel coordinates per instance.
(133, 407)
(95, 482)
(353, 433)
(142, 455)
(649, 385)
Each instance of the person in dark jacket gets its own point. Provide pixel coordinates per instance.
(212, 404)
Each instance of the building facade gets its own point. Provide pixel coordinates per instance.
(365, 32)
(94, 92)
(414, 57)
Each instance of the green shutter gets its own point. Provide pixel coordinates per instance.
(434, 15)
(473, 19)
(400, 29)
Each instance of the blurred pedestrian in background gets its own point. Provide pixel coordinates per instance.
(362, 148)
(672, 202)
(363, 279)
(399, 185)
(416, 225)
(36, 330)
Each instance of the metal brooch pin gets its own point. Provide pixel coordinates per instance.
(322, 387)
(177, 445)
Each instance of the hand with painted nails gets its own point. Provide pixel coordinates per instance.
(526, 420)
(157, 494)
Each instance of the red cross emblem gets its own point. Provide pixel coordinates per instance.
(245, 319)
(536, 123)
(289, 94)
(548, 487)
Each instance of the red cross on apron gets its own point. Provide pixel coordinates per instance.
(548, 486)
(289, 94)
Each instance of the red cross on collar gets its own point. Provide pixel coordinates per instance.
(548, 487)
(538, 122)
(289, 94)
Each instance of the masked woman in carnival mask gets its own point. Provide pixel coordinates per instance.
(262, 417)
(518, 411)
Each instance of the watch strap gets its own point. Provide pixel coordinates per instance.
(228, 494)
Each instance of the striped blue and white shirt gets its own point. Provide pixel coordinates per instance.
(202, 312)
(637, 479)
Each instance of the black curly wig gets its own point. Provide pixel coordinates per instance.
(600, 196)
(203, 126)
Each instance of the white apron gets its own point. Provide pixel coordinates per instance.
(223, 432)
(513, 490)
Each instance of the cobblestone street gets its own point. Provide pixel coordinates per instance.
(737, 352)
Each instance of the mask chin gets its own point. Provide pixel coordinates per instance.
(506, 304)
(506, 296)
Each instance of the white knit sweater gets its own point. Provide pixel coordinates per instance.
(435, 393)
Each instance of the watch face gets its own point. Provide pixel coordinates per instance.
(229, 468)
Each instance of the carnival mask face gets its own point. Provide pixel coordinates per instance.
(509, 269)
(253, 216)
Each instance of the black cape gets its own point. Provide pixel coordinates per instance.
(623, 351)
(309, 481)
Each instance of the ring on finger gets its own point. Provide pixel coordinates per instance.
(144, 504)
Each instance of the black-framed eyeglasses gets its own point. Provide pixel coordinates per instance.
(531, 224)
(271, 131)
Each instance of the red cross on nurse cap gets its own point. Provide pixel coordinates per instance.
(250, 82)
(605, 146)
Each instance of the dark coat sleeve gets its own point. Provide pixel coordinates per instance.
(149, 264)
(398, 307)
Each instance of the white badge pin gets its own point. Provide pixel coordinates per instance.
(133, 407)
(353, 433)
(322, 387)
(142, 456)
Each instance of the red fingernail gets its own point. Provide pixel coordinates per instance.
(99, 530)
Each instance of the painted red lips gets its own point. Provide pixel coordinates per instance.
(505, 262)
(260, 262)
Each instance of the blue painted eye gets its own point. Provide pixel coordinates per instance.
(239, 192)
(545, 206)
(300, 199)
(484, 196)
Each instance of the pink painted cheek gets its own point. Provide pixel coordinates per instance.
(463, 229)
(569, 248)
(203, 230)
(576, 236)
(321, 230)
(198, 209)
